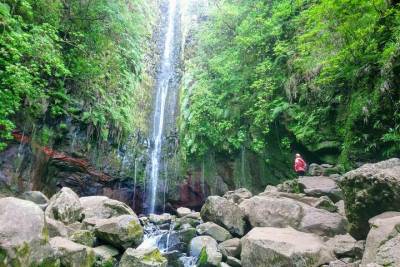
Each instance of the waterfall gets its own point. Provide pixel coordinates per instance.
(164, 86)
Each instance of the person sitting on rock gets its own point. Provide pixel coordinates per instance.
(300, 165)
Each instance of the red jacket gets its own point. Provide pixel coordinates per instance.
(300, 165)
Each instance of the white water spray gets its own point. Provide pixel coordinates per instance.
(163, 84)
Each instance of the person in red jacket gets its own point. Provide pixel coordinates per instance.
(300, 165)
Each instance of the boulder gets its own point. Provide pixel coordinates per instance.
(262, 211)
(23, 233)
(224, 213)
(383, 242)
(230, 248)
(317, 186)
(64, 206)
(346, 246)
(322, 222)
(56, 228)
(183, 212)
(103, 207)
(36, 197)
(233, 262)
(143, 258)
(105, 255)
(206, 249)
(160, 219)
(72, 254)
(214, 230)
(277, 211)
(123, 231)
(369, 191)
(83, 237)
(238, 195)
(281, 247)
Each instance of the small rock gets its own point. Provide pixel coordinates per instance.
(105, 255)
(214, 230)
(65, 206)
(238, 195)
(346, 246)
(341, 208)
(183, 212)
(160, 219)
(143, 258)
(231, 247)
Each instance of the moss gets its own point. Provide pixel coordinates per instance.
(203, 258)
(154, 256)
(135, 229)
(3, 256)
(84, 237)
(90, 259)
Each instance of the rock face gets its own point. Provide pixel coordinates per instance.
(143, 258)
(383, 242)
(318, 186)
(214, 230)
(224, 213)
(277, 211)
(123, 231)
(72, 254)
(23, 236)
(281, 247)
(206, 249)
(103, 207)
(370, 190)
(65, 206)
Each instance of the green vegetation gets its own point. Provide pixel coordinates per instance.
(76, 61)
(320, 77)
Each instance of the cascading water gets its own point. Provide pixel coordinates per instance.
(165, 94)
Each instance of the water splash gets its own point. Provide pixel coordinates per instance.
(163, 85)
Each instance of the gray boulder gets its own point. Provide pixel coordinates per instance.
(64, 206)
(143, 258)
(23, 233)
(383, 242)
(346, 246)
(160, 218)
(281, 247)
(214, 230)
(83, 237)
(231, 248)
(105, 255)
(278, 211)
(103, 207)
(123, 231)
(72, 254)
(369, 191)
(206, 249)
(238, 195)
(224, 213)
(36, 197)
(317, 186)
(183, 212)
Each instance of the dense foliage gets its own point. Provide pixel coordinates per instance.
(72, 61)
(275, 76)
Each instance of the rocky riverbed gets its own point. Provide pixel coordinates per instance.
(350, 220)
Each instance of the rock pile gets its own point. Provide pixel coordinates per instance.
(333, 221)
